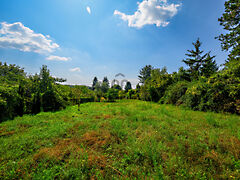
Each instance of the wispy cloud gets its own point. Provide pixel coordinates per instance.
(150, 12)
(88, 9)
(58, 58)
(17, 36)
(77, 69)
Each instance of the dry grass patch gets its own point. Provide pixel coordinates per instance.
(5, 133)
(99, 139)
(60, 151)
(230, 144)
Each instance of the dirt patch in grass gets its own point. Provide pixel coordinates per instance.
(107, 116)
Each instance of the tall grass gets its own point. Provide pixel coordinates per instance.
(128, 139)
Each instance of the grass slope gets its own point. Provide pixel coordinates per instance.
(127, 139)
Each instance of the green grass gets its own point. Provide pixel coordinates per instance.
(124, 140)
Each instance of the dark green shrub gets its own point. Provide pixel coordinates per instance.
(52, 101)
(112, 94)
(36, 103)
(9, 102)
(196, 95)
(175, 92)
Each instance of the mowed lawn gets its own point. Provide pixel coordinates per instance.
(127, 139)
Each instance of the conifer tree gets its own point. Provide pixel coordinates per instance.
(195, 59)
(95, 80)
(145, 73)
(128, 86)
(209, 66)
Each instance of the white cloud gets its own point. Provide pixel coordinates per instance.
(17, 36)
(150, 12)
(58, 58)
(77, 69)
(88, 10)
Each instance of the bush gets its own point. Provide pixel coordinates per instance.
(174, 93)
(52, 101)
(9, 102)
(112, 95)
(196, 96)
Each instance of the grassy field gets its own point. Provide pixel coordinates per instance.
(128, 140)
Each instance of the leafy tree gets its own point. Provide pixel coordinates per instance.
(95, 80)
(155, 86)
(128, 86)
(45, 79)
(230, 22)
(11, 74)
(145, 73)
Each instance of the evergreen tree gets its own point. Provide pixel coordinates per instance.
(95, 80)
(195, 59)
(209, 66)
(138, 87)
(230, 22)
(105, 80)
(128, 86)
(145, 73)
(105, 85)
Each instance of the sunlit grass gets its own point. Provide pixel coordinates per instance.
(126, 139)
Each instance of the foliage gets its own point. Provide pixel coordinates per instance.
(116, 86)
(112, 94)
(174, 93)
(21, 94)
(209, 66)
(200, 64)
(95, 81)
(145, 73)
(11, 74)
(105, 85)
(52, 101)
(230, 22)
(128, 86)
(155, 86)
(201, 87)
(9, 99)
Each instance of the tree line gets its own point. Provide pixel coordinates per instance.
(21, 94)
(201, 86)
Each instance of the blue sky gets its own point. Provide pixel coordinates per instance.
(80, 39)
